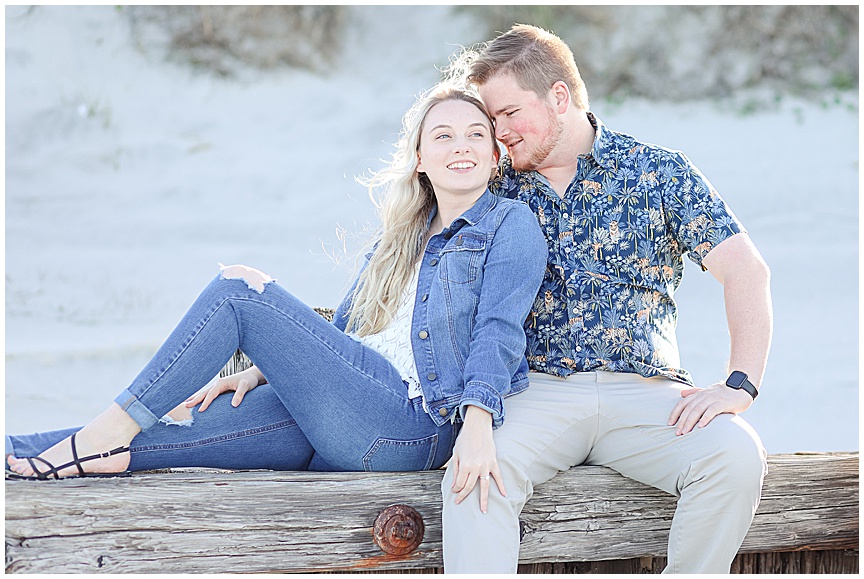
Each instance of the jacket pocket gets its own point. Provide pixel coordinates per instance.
(461, 259)
(408, 455)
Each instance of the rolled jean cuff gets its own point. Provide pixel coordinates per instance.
(9, 448)
(134, 408)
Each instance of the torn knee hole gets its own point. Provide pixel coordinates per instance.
(181, 416)
(255, 279)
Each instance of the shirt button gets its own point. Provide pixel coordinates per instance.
(459, 241)
(433, 262)
(423, 334)
(443, 412)
(431, 376)
(578, 348)
(424, 298)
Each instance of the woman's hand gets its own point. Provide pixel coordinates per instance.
(240, 383)
(474, 457)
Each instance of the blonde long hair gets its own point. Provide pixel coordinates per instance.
(405, 200)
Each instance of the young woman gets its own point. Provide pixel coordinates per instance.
(427, 341)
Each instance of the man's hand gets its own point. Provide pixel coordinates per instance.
(474, 458)
(699, 406)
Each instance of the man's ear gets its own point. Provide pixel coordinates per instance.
(560, 94)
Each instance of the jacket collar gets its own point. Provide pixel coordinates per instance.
(475, 213)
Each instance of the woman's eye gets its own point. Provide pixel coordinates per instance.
(478, 134)
(510, 113)
(442, 136)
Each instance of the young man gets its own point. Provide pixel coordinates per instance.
(606, 383)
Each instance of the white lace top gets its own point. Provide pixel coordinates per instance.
(394, 342)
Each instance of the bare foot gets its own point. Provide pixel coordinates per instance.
(111, 429)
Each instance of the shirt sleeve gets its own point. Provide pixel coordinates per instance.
(697, 216)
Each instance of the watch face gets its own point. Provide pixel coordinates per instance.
(736, 379)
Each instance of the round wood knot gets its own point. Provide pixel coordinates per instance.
(399, 530)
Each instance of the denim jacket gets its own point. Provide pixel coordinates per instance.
(477, 281)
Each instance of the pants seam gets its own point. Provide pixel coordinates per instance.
(552, 443)
(216, 439)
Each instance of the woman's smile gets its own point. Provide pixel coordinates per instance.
(462, 166)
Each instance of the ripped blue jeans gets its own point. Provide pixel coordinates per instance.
(330, 403)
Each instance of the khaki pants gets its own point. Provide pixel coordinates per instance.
(617, 420)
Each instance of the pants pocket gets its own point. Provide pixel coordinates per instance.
(393, 455)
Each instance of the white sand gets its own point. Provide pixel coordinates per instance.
(128, 179)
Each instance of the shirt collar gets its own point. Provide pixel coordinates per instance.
(604, 142)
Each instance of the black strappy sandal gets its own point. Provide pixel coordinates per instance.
(53, 471)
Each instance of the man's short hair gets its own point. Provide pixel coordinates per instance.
(537, 58)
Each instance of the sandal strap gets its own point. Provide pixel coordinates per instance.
(117, 450)
(43, 474)
(76, 461)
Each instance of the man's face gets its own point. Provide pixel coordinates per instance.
(527, 125)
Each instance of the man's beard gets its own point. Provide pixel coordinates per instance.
(539, 155)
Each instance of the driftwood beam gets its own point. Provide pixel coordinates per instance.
(262, 521)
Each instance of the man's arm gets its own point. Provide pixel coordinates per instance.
(737, 264)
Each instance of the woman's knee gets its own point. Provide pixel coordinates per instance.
(254, 278)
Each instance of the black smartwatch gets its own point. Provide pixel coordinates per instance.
(738, 381)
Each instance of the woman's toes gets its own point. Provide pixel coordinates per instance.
(19, 465)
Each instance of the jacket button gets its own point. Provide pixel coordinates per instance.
(443, 412)
(423, 334)
(431, 376)
(433, 261)
(459, 241)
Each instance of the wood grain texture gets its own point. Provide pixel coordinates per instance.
(263, 521)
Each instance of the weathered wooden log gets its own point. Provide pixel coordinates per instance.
(263, 521)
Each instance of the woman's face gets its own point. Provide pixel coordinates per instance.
(456, 148)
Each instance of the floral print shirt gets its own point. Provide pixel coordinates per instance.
(616, 244)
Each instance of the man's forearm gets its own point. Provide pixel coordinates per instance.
(746, 279)
(749, 314)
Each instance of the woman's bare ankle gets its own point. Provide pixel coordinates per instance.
(113, 427)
